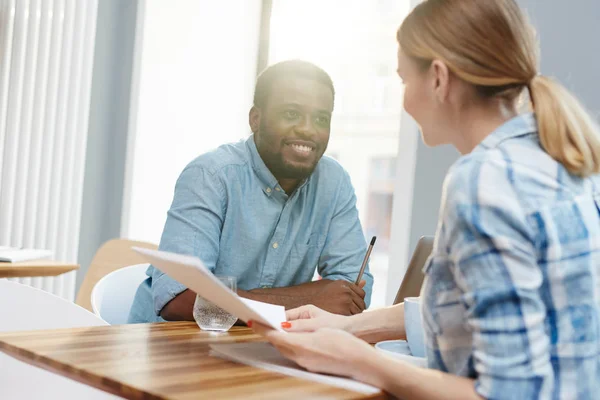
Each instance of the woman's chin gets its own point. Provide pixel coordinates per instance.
(433, 139)
(428, 139)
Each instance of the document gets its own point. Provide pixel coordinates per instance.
(14, 254)
(191, 272)
(265, 356)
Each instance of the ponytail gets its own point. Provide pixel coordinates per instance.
(567, 131)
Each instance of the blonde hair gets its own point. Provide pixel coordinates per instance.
(490, 44)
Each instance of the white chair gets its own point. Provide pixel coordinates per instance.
(111, 256)
(26, 308)
(113, 295)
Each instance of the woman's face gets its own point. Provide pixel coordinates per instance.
(422, 90)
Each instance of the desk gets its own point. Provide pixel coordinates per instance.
(35, 268)
(160, 361)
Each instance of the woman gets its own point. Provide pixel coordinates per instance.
(510, 304)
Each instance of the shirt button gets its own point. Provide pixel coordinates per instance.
(268, 190)
(279, 190)
(275, 245)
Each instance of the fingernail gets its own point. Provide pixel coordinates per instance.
(249, 324)
(286, 325)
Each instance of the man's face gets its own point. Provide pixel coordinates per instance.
(292, 128)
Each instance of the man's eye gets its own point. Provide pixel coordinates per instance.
(291, 114)
(323, 121)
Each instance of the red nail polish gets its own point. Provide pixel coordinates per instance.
(249, 324)
(286, 325)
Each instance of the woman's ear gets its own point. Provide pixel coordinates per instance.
(441, 80)
(254, 119)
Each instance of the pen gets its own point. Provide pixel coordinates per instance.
(364, 264)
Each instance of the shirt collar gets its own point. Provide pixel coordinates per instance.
(520, 125)
(269, 182)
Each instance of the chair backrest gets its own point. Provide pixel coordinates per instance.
(111, 256)
(113, 295)
(413, 278)
(26, 308)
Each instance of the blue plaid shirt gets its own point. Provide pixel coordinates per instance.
(512, 290)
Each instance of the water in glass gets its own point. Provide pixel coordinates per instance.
(208, 316)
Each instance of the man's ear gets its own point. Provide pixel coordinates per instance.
(254, 119)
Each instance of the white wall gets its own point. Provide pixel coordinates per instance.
(194, 79)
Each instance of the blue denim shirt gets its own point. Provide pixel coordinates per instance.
(229, 210)
(511, 295)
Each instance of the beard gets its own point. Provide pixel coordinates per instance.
(282, 169)
(270, 148)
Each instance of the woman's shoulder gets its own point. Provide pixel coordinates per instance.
(518, 170)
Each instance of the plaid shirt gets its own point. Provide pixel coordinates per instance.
(512, 290)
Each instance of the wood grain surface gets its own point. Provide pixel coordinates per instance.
(35, 268)
(160, 361)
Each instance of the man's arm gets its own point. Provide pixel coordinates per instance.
(340, 297)
(193, 227)
(336, 296)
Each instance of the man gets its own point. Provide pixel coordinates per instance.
(268, 210)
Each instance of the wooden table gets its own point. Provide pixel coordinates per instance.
(35, 268)
(160, 361)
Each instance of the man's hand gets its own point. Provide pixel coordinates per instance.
(340, 297)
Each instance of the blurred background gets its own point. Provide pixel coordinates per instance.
(104, 102)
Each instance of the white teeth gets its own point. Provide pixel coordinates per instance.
(301, 148)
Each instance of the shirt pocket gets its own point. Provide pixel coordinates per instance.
(306, 253)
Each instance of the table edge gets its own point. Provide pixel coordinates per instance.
(46, 363)
(31, 271)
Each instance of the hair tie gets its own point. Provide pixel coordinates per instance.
(537, 75)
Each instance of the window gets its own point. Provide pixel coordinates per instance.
(356, 44)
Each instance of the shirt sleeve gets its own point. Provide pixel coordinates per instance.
(494, 264)
(193, 227)
(345, 246)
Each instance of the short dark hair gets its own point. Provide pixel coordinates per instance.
(289, 68)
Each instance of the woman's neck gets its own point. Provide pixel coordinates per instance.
(477, 122)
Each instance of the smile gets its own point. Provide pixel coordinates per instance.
(302, 148)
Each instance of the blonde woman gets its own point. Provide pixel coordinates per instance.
(510, 304)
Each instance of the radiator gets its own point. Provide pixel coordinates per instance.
(46, 55)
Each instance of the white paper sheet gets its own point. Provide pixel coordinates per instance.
(191, 272)
(265, 356)
(14, 255)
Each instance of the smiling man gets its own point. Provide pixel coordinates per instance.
(268, 210)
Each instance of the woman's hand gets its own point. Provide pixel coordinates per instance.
(336, 352)
(310, 318)
(326, 350)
